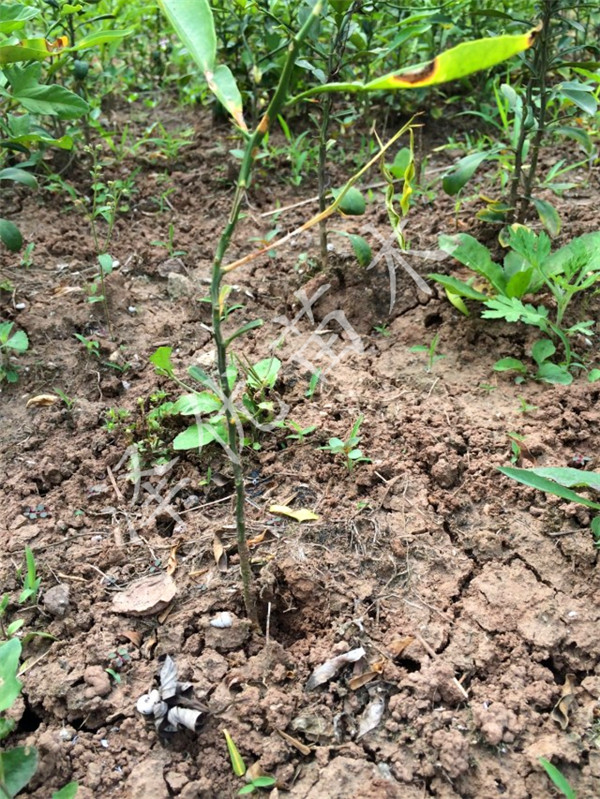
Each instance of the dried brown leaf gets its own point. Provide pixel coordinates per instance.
(132, 635)
(560, 712)
(219, 554)
(330, 668)
(289, 739)
(362, 679)
(172, 562)
(398, 645)
(146, 596)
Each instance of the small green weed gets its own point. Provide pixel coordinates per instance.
(558, 779)
(31, 582)
(10, 343)
(348, 448)
(430, 351)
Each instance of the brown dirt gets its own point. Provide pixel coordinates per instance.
(474, 598)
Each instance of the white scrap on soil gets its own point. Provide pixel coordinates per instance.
(171, 706)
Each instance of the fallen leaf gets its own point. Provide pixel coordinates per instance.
(258, 539)
(560, 711)
(219, 554)
(60, 290)
(398, 645)
(42, 401)
(330, 668)
(146, 596)
(371, 718)
(289, 739)
(164, 615)
(132, 635)
(172, 562)
(300, 515)
(357, 682)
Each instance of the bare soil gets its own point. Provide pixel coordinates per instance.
(473, 598)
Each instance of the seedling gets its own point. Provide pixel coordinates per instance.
(515, 446)
(169, 245)
(300, 432)
(348, 448)
(31, 582)
(10, 343)
(92, 347)
(239, 769)
(525, 407)
(384, 331)
(27, 256)
(312, 384)
(429, 350)
(558, 779)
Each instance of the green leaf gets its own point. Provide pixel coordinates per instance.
(463, 171)
(559, 780)
(264, 373)
(192, 404)
(553, 373)
(264, 782)
(18, 766)
(352, 203)
(195, 437)
(542, 350)
(244, 329)
(102, 37)
(194, 24)
(161, 359)
(456, 286)
(52, 101)
(13, 16)
(471, 253)
(18, 342)
(529, 477)
(362, 250)
(68, 791)
(10, 235)
(583, 100)
(571, 478)
(10, 686)
(594, 375)
(106, 263)
(223, 85)
(548, 215)
(510, 364)
(18, 176)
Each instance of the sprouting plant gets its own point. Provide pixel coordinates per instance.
(526, 407)
(10, 629)
(239, 769)
(92, 347)
(515, 446)
(348, 448)
(430, 351)
(10, 343)
(299, 433)
(31, 582)
(560, 481)
(117, 659)
(312, 384)
(169, 244)
(69, 402)
(558, 779)
(27, 255)
(115, 418)
(383, 330)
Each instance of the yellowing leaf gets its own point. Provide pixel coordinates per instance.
(237, 762)
(300, 515)
(42, 401)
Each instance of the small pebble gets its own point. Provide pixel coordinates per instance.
(56, 599)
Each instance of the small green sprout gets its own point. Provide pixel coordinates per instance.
(300, 432)
(429, 350)
(31, 582)
(349, 448)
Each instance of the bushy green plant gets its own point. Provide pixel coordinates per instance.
(529, 267)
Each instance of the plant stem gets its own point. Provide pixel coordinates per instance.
(252, 146)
